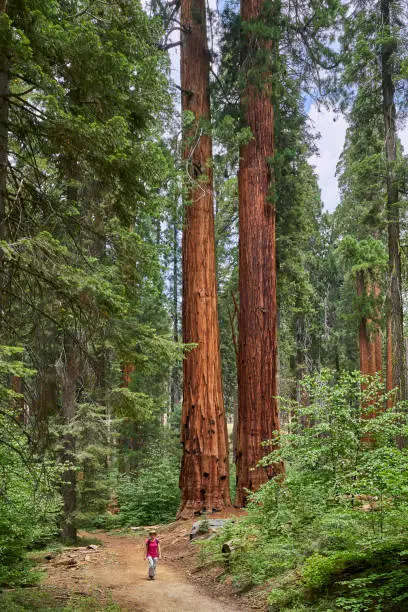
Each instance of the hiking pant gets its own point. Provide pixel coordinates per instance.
(152, 566)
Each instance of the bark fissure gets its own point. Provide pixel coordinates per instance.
(204, 467)
(257, 352)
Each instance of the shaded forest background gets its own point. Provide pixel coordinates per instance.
(93, 190)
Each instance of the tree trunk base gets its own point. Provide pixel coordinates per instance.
(191, 508)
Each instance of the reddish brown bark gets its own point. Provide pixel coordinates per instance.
(127, 371)
(204, 468)
(17, 385)
(370, 337)
(44, 402)
(257, 359)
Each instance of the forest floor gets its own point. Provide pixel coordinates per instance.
(116, 573)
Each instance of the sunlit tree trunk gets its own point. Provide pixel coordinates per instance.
(204, 468)
(257, 353)
(396, 370)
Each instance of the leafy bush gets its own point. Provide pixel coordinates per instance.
(151, 496)
(332, 533)
(319, 571)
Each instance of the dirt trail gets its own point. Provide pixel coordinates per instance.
(120, 569)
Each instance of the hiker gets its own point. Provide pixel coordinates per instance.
(153, 553)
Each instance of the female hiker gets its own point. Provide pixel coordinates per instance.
(152, 553)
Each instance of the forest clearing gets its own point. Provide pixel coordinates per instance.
(203, 305)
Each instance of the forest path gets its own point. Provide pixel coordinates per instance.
(119, 569)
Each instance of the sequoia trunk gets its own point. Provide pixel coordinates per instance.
(370, 342)
(257, 352)
(204, 468)
(397, 368)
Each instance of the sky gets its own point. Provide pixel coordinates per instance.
(330, 129)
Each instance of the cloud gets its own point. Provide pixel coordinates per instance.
(332, 129)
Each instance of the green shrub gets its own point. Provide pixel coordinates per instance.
(104, 521)
(49, 600)
(318, 571)
(204, 526)
(284, 597)
(338, 519)
(151, 496)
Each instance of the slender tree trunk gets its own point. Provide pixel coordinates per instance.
(70, 376)
(397, 368)
(175, 391)
(301, 394)
(4, 117)
(257, 358)
(389, 378)
(204, 467)
(69, 381)
(370, 344)
(378, 351)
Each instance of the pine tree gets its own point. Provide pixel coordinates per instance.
(80, 260)
(375, 37)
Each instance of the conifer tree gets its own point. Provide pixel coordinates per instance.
(257, 353)
(82, 184)
(204, 469)
(374, 44)
(294, 193)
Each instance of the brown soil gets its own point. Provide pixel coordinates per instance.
(117, 572)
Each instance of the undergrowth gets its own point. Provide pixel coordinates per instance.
(332, 535)
(52, 600)
(152, 495)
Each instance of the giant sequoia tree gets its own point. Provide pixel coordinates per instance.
(257, 352)
(282, 44)
(204, 468)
